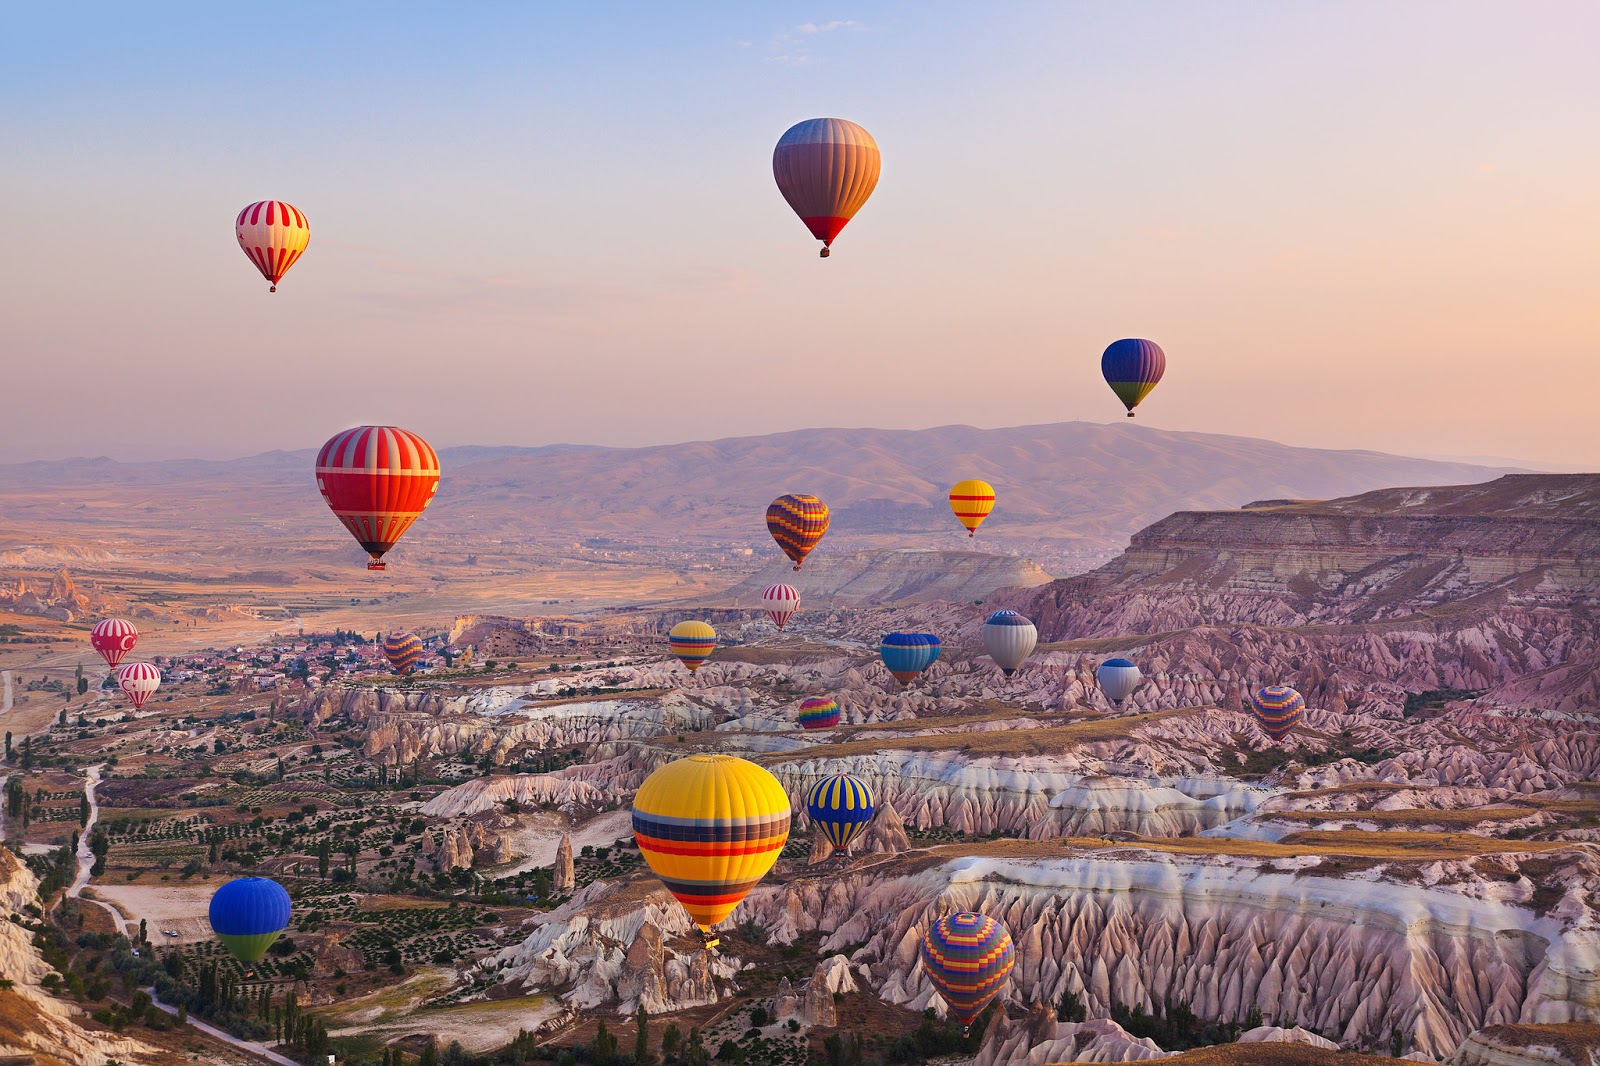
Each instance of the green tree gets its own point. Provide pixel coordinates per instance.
(324, 851)
(641, 1039)
(83, 682)
(604, 1045)
(83, 810)
(430, 1054)
(670, 1040)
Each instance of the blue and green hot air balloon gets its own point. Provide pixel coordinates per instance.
(908, 654)
(840, 807)
(248, 914)
(1132, 367)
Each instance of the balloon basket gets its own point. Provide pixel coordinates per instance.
(377, 566)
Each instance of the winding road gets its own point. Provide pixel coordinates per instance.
(228, 1038)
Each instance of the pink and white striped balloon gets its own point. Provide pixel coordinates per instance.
(113, 638)
(273, 235)
(781, 602)
(139, 682)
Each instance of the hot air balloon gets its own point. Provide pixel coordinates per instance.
(403, 650)
(826, 168)
(840, 806)
(1118, 678)
(710, 826)
(1278, 708)
(273, 234)
(247, 914)
(908, 654)
(113, 638)
(377, 480)
(967, 957)
(972, 500)
(692, 642)
(1009, 638)
(138, 682)
(818, 712)
(1132, 368)
(781, 602)
(797, 521)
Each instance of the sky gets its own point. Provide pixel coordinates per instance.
(1349, 224)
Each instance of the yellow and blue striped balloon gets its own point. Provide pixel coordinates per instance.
(840, 807)
(692, 643)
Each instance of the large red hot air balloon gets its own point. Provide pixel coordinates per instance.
(273, 235)
(826, 168)
(113, 638)
(377, 480)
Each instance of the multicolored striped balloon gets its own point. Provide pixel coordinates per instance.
(967, 957)
(781, 602)
(972, 500)
(138, 682)
(378, 480)
(826, 168)
(1278, 708)
(692, 643)
(1132, 368)
(273, 235)
(248, 914)
(710, 826)
(403, 650)
(908, 654)
(818, 712)
(797, 521)
(1009, 638)
(113, 638)
(1118, 678)
(840, 807)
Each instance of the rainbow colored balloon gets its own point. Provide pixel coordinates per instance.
(403, 650)
(1278, 709)
(840, 807)
(967, 957)
(1132, 368)
(818, 712)
(797, 522)
(908, 654)
(692, 643)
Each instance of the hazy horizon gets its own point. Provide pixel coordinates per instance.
(1364, 226)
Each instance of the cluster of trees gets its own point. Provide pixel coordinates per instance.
(1177, 1028)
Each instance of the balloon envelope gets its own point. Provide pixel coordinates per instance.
(797, 522)
(840, 807)
(273, 235)
(248, 914)
(1118, 678)
(138, 682)
(818, 712)
(1009, 638)
(781, 602)
(908, 654)
(1132, 368)
(403, 650)
(967, 957)
(378, 480)
(826, 168)
(113, 638)
(710, 826)
(1278, 708)
(971, 501)
(692, 643)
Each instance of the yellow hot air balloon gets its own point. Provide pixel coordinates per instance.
(692, 643)
(972, 500)
(710, 826)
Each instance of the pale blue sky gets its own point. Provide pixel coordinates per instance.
(1349, 224)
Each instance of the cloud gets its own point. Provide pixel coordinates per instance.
(791, 47)
(828, 27)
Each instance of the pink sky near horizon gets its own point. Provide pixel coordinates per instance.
(1352, 225)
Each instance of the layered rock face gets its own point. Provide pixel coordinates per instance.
(1358, 599)
(903, 575)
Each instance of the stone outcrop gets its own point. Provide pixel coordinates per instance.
(1042, 1040)
(831, 976)
(1576, 1044)
(886, 835)
(565, 879)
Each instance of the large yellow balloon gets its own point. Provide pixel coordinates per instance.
(710, 826)
(972, 500)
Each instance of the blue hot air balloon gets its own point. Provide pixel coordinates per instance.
(247, 914)
(908, 654)
(1132, 367)
(840, 806)
(1118, 678)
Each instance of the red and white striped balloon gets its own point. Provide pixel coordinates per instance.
(139, 682)
(273, 235)
(113, 638)
(781, 602)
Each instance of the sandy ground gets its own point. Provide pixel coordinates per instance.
(537, 843)
(181, 907)
(391, 1013)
